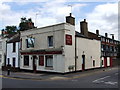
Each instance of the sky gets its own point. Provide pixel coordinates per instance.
(100, 14)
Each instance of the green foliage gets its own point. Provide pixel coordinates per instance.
(10, 29)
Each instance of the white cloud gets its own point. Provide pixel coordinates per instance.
(50, 13)
(105, 18)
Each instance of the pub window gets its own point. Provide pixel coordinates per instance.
(14, 47)
(26, 60)
(49, 60)
(30, 42)
(50, 41)
(41, 60)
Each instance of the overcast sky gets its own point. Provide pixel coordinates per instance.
(100, 14)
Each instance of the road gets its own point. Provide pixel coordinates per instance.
(105, 79)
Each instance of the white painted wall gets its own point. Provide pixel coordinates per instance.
(91, 50)
(11, 54)
(3, 51)
(61, 62)
(69, 50)
(41, 34)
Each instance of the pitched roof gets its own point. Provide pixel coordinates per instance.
(14, 38)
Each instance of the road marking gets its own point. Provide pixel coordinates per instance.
(116, 73)
(112, 83)
(74, 80)
(1, 76)
(98, 80)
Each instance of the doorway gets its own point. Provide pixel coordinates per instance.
(83, 62)
(105, 61)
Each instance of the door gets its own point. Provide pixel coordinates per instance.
(83, 62)
(34, 63)
(111, 62)
(13, 62)
(105, 61)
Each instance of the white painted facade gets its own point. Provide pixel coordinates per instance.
(11, 54)
(92, 51)
(2, 51)
(61, 61)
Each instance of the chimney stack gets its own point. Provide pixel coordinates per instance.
(70, 19)
(106, 35)
(112, 36)
(84, 28)
(97, 32)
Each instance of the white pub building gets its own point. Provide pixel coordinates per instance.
(58, 48)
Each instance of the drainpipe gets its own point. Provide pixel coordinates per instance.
(75, 54)
(6, 54)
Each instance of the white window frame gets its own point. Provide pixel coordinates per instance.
(49, 41)
(49, 62)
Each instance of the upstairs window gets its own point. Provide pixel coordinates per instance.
(30, 42)
(50, 41)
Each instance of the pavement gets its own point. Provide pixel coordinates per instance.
(53, 76)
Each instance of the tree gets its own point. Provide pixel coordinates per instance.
(10, 30)
(26, 24)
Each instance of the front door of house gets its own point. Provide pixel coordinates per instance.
(34, 63)
(83, 62)
(105, 61)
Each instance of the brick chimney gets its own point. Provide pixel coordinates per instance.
(84, 28)
(70, 19)
(97, 32)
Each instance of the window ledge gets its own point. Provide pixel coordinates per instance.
(49, 68)
(25, 66)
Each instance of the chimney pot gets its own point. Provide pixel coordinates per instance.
(106, 35)
(97, 32)
(84, 20)
(112, 36)
(70, 19)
